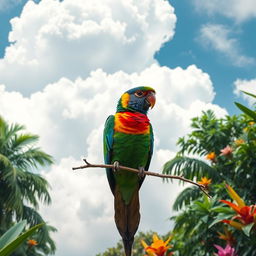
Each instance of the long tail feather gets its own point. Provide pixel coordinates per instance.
(127, 218)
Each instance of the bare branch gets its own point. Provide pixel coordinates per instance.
(88, 165)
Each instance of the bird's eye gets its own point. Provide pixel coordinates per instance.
(139, 93)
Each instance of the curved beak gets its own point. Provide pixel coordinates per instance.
(151, 99)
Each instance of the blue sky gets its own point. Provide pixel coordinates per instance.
(185, 48)
(68, 65)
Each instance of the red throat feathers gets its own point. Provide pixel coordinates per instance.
(131, 123)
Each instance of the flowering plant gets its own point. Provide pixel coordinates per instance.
(158, 247)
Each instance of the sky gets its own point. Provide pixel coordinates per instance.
(64, 65)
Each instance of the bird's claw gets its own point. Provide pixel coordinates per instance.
(116, 166)
(141, 173)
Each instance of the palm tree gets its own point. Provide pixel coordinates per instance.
(21, 189)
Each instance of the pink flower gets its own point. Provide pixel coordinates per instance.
(228, 251)
(227, 151)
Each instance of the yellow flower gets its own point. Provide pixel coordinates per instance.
(245, 129)
(232, 193)
(251, 123)
(32, 243)
(158, 247)
(205, 181)
(239, 142)
(211, 156)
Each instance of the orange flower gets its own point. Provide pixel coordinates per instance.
(227, 151)
(205, 181)
(211, 156)
(227, 236)
(158, 247)
(245, 214)
(32, 243)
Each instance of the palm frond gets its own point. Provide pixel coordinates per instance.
(189, 168)
(186, 197)
(35, 188)
(5, 162)
(22, 140)
(7, 132)
(13, 199)
(32, 158)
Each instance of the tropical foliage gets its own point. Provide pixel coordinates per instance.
(21, 188)
(218, 152)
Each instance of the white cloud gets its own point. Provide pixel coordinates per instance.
(236, 9)
(53, 39)
(69, 117)
(219, 38)
(62, 109)
(247, 86)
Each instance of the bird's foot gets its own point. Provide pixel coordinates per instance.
(116, 166)
(141, 173)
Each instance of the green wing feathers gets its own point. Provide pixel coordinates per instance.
(108, 140)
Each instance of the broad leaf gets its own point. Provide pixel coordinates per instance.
(246, 110)
(250, 94)
(247, 229)
(219, 218)
(12, 233)
(11, 247)
(222, 209)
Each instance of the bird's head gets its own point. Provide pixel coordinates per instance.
(138, 99)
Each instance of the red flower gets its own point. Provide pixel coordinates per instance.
(245, 214)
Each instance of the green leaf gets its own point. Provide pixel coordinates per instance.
(11, 247)
(246, 110)
(219, 218)
(247, 229)
(222, 209)
(205, 219)
(250, 94)
(207, 202)
(201, 206)
(12, 233)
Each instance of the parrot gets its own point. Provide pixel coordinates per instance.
(128, 141)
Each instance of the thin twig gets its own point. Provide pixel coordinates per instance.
(88, 165)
